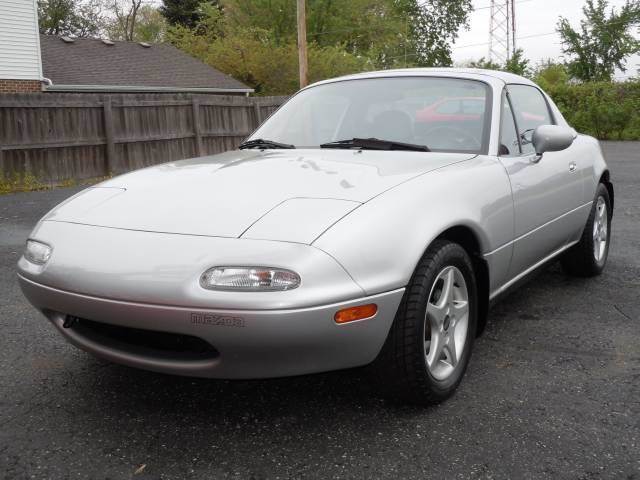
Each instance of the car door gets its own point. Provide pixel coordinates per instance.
(544, 191)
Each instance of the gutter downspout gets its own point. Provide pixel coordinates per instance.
(44, 83)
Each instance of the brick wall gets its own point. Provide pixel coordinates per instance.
(19, 86)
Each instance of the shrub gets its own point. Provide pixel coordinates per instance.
(606, 110)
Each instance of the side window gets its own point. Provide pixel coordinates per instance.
(531, 111)
(509, 144)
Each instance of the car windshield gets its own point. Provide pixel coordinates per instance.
(443, 114)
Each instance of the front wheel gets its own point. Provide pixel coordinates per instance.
(588, 257)
(428, 347)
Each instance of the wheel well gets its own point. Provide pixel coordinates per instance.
(468, 240)
(606, 181)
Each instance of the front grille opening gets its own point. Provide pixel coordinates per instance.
(151, 343)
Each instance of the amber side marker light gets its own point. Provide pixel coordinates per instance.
(352, 314)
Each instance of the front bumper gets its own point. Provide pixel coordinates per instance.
(247, 343)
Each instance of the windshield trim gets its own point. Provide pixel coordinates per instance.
(488, 111)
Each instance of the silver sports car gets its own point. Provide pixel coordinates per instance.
(370, 221)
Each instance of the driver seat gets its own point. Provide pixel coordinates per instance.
(393, 125)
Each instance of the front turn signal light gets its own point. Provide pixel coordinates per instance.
(352, 314)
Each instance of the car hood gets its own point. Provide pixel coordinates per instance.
(255, 194)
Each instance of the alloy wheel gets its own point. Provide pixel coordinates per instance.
(600, 230)
(446, 322)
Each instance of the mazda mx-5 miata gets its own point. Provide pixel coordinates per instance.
(371, 220)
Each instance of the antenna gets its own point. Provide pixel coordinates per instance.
(502, 30)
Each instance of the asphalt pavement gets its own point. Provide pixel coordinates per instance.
(552, 391)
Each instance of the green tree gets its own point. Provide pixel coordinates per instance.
(148, 25)
(434, 27)
(69, 17)
(518, 64)
(185, 13)
(151, 25)
(551, 75)
(603, 41)
(389, 32)
(484, 64)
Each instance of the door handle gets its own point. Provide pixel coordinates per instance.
(572, 166)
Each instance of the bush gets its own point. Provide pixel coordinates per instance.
(605, 110)
(272, 69)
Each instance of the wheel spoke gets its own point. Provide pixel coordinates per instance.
(447, 289)
(453, 352)
(435, 349)
(460, 309)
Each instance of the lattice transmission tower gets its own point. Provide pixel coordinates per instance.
(502, 30)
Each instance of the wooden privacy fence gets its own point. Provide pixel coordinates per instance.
(56, 137)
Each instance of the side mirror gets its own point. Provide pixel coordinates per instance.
(551, 138)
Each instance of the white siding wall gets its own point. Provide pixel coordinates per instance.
(19, 40)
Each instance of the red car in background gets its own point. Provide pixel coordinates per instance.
(452, 110)
(461, 109)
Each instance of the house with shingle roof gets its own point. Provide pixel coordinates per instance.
(105, 66)
(31, 62)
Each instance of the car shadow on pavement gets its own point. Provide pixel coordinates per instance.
(318, 394)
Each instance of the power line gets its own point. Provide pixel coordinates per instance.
(416, 53)
(524, 37)
(487, 7)
(482, 44)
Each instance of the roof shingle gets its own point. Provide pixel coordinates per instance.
(88, 61)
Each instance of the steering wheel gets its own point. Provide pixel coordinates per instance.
(457, 135)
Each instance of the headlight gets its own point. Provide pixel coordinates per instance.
(252, 279)
(37, 252)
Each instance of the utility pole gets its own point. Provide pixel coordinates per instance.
(302, 43)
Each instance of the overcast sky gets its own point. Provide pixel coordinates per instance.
(533, 17)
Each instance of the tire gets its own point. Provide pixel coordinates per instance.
(410, 369)
(588, 257)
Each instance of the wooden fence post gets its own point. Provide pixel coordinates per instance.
(108, 133)
(256, 107)
(195, 106)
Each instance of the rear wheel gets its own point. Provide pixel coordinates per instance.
(428, 347)
(588, 257)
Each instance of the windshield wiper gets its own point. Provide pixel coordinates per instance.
(375, 144)
(262, 143)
